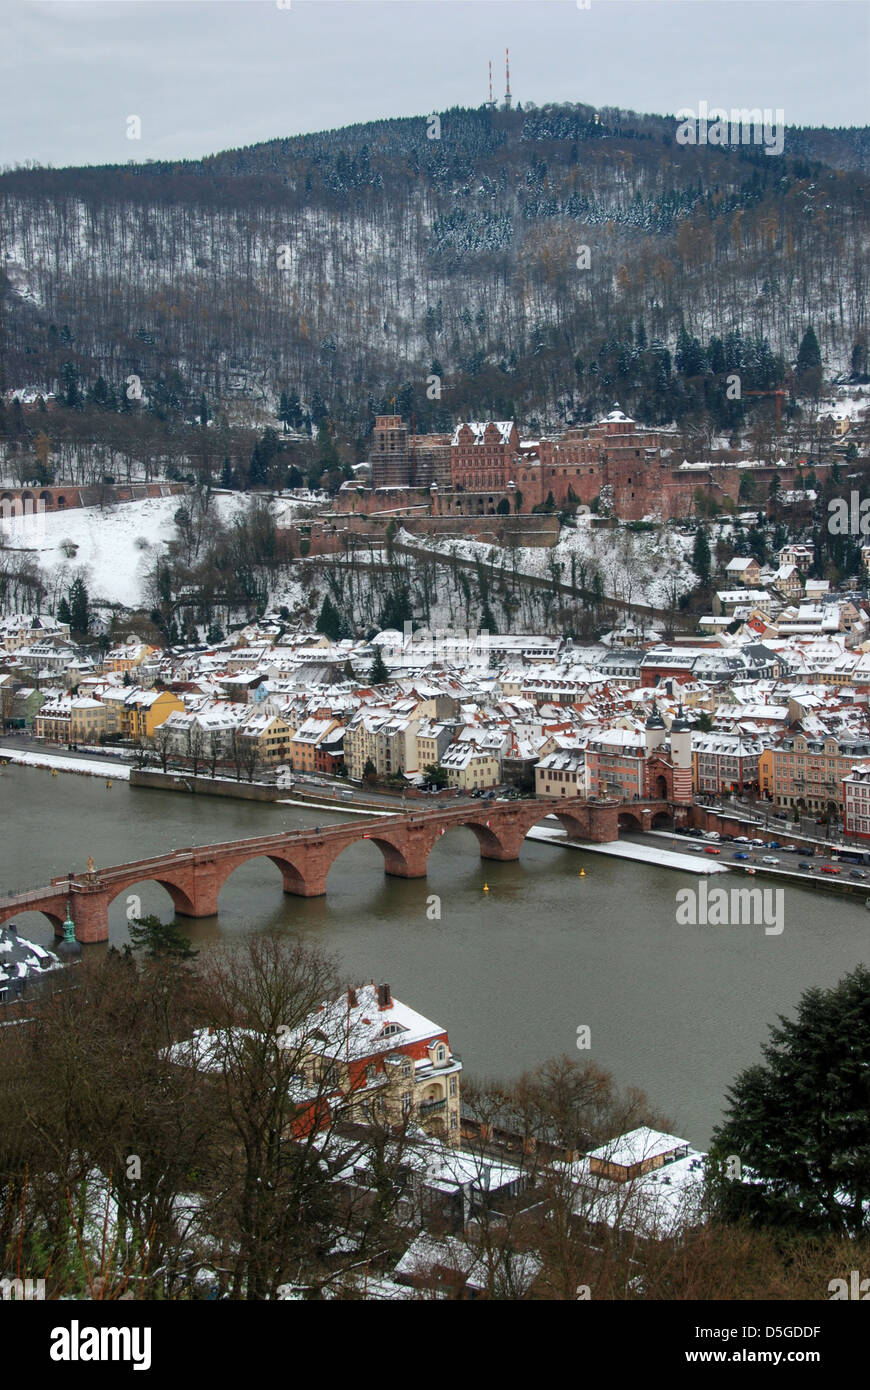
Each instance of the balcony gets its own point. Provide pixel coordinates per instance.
(431, 1107)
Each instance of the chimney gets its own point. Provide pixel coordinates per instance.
(385, 998)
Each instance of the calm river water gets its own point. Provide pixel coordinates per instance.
(511, 973)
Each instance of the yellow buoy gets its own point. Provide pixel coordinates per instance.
(486, 888)
(54, 772)
(582, 873)
(109, 786)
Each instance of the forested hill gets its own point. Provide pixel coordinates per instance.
(348, 266)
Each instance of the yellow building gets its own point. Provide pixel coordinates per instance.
(127, 657)
(88, 720)
(272, 735)
(145, 710)
(469, 767)
(53, 721)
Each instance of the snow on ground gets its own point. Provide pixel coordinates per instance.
(627, 849)
(115, 772)
(115, 547)
(640, 567)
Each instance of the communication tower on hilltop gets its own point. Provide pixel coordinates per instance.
(490, 104)
(507, 73)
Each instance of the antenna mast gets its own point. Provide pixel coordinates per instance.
(507, 72)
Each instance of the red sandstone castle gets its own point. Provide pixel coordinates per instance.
(633, 471)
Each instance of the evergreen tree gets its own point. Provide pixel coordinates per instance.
(319, 412)
(63, 613)
(204, 412)
(72, 394)
(329, 621)
(379, 675)
(159, 939)
(397, 609)
(809, 364)
(226, 475)
(257, 475)
(701, 556)
(809, 353)
(77, 598)
(798, 1122)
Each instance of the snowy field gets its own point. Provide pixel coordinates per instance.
(115, 548)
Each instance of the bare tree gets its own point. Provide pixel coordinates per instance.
(195, 747)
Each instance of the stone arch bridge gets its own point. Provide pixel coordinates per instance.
(194, 877)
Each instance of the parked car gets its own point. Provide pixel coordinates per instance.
(729, 838)
(741, 856)
(695, 833)
(742, 840)
(773, 844)
(758, 843)
(770, 859)
(829, 869)
(790, 849)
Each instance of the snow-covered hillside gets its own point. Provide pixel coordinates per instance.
(111, 549)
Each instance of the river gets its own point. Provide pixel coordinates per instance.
(511, 972)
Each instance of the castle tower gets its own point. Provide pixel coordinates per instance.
(681, 758)
(654, 733)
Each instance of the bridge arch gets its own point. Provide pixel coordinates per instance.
(491, 844)
(181, 901)
(404, 856)
(25, 927)
(629, 820)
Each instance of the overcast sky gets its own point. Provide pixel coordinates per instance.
(205, 75)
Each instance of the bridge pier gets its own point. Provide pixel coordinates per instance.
(409, 862)
(506, 849)
(90, 913)
(312, 886)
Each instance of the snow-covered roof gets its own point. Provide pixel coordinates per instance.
(479, 428)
